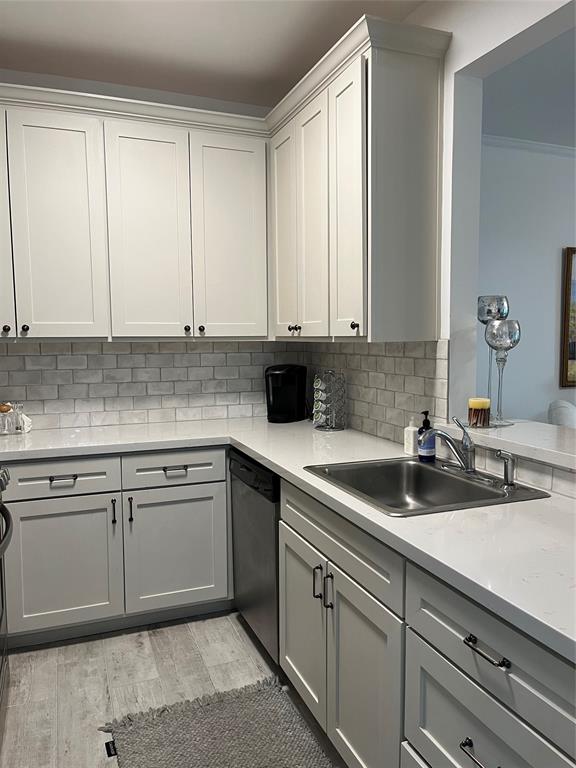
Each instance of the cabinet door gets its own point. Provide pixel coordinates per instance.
(57, 193)
(149, 221)
(175, 546)
(7, 309)
(347, 143)
(365, 667)
(311, 130)
(283, 232)
(303, 619)
(64, 564)
(228, 176)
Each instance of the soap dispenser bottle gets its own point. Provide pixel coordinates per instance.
(426, 449)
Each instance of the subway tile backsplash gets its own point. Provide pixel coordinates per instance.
(79, 384)
(387, 383)
(76, 384)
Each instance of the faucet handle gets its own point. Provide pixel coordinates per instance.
(466, 439)
(509, 468)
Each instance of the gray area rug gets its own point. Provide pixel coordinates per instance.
(253, 727)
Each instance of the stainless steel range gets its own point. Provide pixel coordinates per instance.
(5, 535)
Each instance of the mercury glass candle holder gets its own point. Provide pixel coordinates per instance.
(492, 308)
(502, 336)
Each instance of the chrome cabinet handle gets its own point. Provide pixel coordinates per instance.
(471, 640)
(316, 569)
(131, 503)
(469, 744)
(53, 479)
(113, 511)
(330, 605)
(183, 468)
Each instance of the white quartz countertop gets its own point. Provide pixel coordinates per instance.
(518, 560)
(547, 443)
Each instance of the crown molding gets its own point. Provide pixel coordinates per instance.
(368, 32)
(507, 142)
(13, 95)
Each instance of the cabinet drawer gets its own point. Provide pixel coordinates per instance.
(372, 564)
(538, 685)
(155, 470)
(450, 719)
(63, 477)
(409, 758)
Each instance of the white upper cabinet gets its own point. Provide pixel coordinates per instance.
(149, 229)
(58, 223)
(299, 225)
(283, 232)
(228, 176)
(7, 309)
(379, 90)
(348, 202)
(311, 129)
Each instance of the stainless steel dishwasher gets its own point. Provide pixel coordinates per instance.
(255, 515)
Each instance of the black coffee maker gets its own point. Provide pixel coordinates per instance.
(286, 393)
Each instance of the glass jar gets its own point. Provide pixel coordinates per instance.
(7, 423)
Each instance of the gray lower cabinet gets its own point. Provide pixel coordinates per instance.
(342, 651)
(303, 619)
(65, 563)
(454, 723)
(536, 684)
(365, 674)
(175, 546)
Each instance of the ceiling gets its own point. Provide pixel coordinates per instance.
(534, 98)
(250, 51)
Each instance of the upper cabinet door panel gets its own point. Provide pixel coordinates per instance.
(346, 96)
(228, 176)
(283, 234)
(149, 224)
(57, 192)
(7, 310)
(312, 186)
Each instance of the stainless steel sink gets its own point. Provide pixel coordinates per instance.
(405, 487)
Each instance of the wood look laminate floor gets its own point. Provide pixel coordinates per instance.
(59, 695)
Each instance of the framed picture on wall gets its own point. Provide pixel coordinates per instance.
(568, 353)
